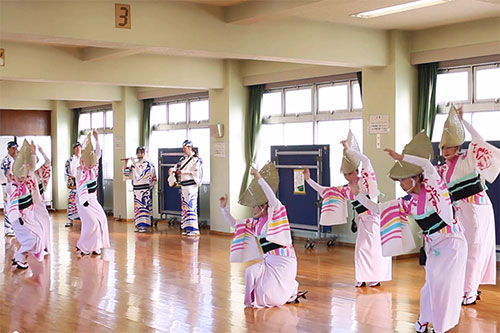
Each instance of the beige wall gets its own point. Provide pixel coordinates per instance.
(229, 107)
(61, 123)
(127, 117)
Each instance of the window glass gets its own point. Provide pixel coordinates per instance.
(271, 104)
(109, 119)
(199, 110)
(177, 113)
(332, 98)
(97, 119)
(201, 140)
(357, 103)
(298, 101)
(486, 123)
(84, 121)
(488, 83)
(158, 114)
(452, 87)
(298, 133)
(269, 135)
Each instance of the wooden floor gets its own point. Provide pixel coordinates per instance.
(168, 283)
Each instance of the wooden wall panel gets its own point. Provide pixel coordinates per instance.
(24, 122)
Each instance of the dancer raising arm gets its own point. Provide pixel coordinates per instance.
(270, 282)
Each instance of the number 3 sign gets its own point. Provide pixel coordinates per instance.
(122, 16)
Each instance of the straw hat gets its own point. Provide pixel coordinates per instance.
(89, 156)
(420, 146)
(453, 131)
(254, 195)
(349, 162)
(24, 161)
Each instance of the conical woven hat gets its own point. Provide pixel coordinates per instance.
(254, 195)
(420, 146)
(88, 154)
(24, 161)
(453, 131)
(349, 162)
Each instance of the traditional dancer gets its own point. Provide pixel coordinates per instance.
(23, 196)
(42, 176)
(6, 165)
(445, 246)
(188, 173)
(69, 174)
(464, 174)
(143, 175)
(270, 282)
(370, 266)
(94, 235)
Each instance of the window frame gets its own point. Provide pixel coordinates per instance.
(472, 104)
(474, 90)
(101, 130)
(182, 125)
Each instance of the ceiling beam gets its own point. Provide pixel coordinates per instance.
(257, 11)
(98, 53)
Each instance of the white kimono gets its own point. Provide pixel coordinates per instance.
(464, 178)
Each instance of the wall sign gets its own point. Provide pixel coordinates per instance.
(219, 149)
(378, 124)
(299, 186)
(122, 16)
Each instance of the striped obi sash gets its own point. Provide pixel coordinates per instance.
(276, 249)
(465, 187)
(25, 201)
(40, 187)
(358, 207)
(141, 187)
(92, 186)
(188, 182)
(430, 223)
(268, 246)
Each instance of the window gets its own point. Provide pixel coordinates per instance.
(177, 120)
(176, 113)
(452, 87)
(487, 85)
(298, 101)
(271, 104)
(312, 114)
(102, 120)
(198, 110)
(476, 88)
(333, 98)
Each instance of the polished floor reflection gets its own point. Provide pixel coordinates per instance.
(168, 283)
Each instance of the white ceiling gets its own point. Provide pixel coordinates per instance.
(339, 11)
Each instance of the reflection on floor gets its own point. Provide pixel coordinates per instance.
(165, 282)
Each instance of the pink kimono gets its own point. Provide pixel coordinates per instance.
(464, 178)
(270, 282)
(445, 245)
(370, 264)
(22, 199)
(94, 235)
(42, 176)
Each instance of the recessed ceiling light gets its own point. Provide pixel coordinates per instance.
(399, 8)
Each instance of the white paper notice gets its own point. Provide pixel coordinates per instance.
(378, 124)
(220, 149)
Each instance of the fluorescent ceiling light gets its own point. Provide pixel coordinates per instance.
(399, 8)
